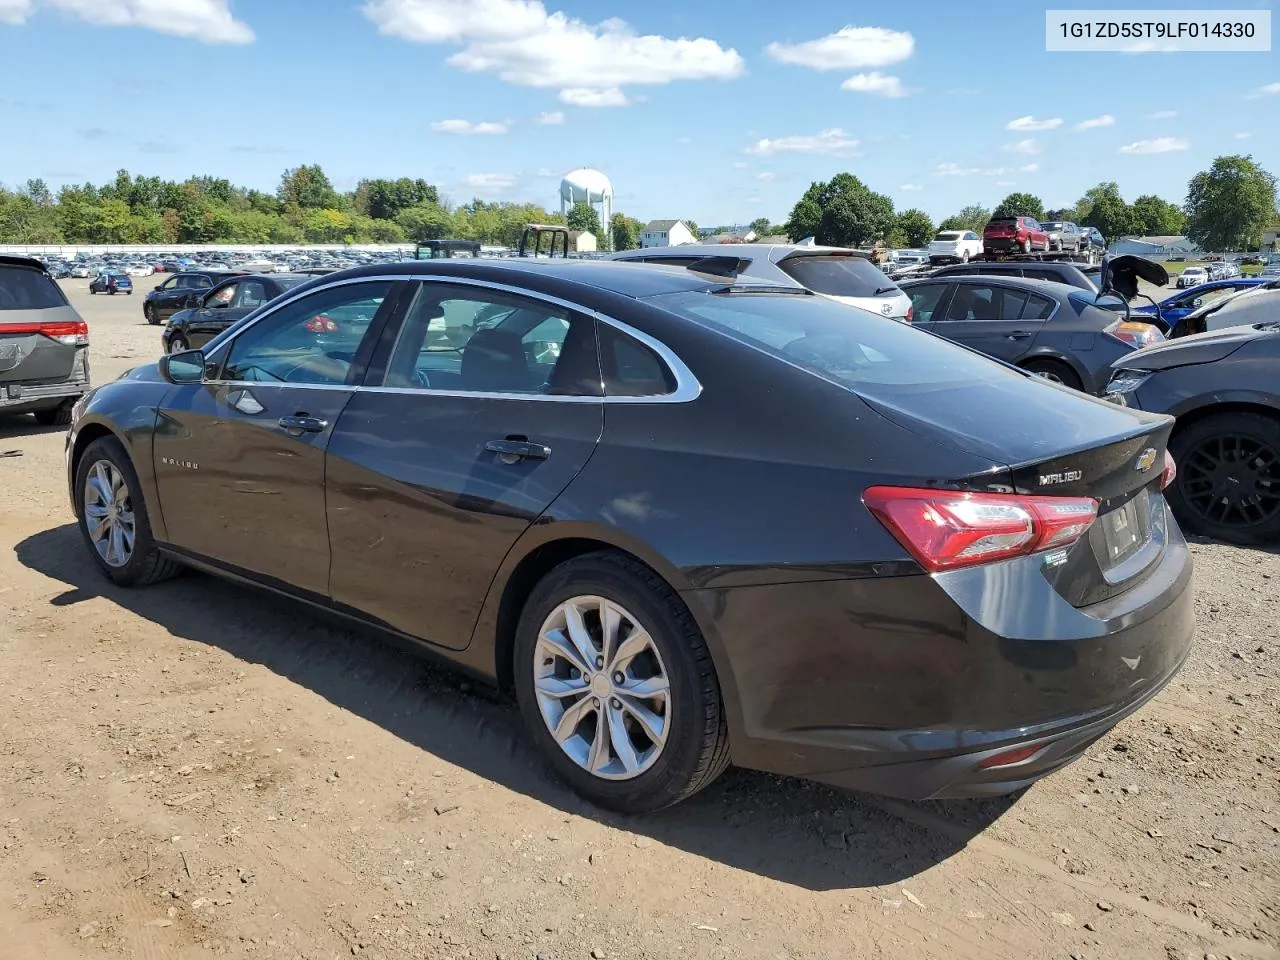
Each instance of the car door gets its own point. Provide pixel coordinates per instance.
(486, 407)
(226, 303)
(990, 318)
(239, 458)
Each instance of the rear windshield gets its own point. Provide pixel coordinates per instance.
(838, 276)
(1053, 225)
(948, 235)
(1003, 222)
(846, 345)
(25, 289)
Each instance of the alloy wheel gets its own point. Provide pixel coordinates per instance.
(1232, 479)
(108, 513)
(602, 688)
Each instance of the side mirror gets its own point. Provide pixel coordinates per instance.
(184, 367)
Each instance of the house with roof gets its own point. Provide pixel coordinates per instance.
(666, 233)
(1155, 246)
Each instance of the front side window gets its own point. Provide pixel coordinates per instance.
(462, 339)
(924, 301)
(250, 295)
(312, 340)
(222, 297)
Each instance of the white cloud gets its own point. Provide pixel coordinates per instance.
(1162, 115)
(1270, 90)
(209, 21)
(1031, 124)
(1030, 147)
(1158, 145)
(739, 165)
(551, 118)
(910, 187)
(850, 48)
(467, 128)
(876, 83)
(834, 141)
(490, 183)
(16, 11)
(594, 97)
(1006, 183)
(1243, 136)
(1106, 120)
(1030, 168)
(955, 170)
(766, 175)
(525, 44)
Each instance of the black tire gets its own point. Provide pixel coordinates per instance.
(1026, 245)
(1055, 370)
(964, 257)
(696, 751)
(1192, 446)
(149, 314)
(178, 343)
(146, 565)
(59, 416)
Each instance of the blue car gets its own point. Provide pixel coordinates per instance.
(1173, 309)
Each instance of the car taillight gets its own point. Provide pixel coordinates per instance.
(321, 324)
(946, 529)
(1170, 471)
(911, 313)
(71, 332)
(1134, 333)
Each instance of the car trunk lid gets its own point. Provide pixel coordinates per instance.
(39, 329)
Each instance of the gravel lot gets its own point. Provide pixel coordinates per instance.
(197, 769)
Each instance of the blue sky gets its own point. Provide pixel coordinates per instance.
(713, 110)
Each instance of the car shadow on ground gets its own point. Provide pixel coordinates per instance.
(19, 425)
(797, 832)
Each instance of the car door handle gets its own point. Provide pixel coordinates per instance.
(301, 423)
(512, 450)
(1019, 335)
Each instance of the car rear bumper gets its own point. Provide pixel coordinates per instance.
(25, 399)
(906, 686)
(1001, 243)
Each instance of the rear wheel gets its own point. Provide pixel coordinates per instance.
(59, 416)
(113, 517)
(1228, 482)
(1026, 245)
(616, 685)
(1055, 371)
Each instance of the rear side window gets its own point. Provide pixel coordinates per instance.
(25, 289)
(838, 276)
(630, 368)
(854, 348)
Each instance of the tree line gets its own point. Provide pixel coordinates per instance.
(1227, 207)
(305, 208)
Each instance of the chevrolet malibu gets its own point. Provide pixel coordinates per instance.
(689, 521)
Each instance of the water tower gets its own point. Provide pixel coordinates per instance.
(585, 185)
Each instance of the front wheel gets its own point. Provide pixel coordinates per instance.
(177, 344)
(616, 685)
(1228, 482)
(113, 517)
(964, 257)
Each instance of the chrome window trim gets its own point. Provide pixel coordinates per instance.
(688, 387)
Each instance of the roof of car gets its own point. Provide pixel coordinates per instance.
(1048, 287)
(13, 260)
(614, 276)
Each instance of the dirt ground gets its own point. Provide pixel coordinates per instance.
(196, 770)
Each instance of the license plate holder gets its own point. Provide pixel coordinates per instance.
(1127, 528)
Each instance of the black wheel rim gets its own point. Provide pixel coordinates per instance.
(1232, 480)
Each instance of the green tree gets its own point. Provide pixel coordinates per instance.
(309, 188)
(761, 227)
(973, 217)
(917, 228)
(582, 216)
(1230, 204)
(1020, 205)
(841, 212)
(1103, 208)
(384, 199)
(38, 191)
(427, 221)
(625, 231)
(1154, 217)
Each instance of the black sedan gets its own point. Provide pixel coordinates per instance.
(215, 310)
(1051, 329)
(179, 292)
(1224, 388)
(688, 522)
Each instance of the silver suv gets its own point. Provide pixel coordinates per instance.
(839, 273)
(44, 344)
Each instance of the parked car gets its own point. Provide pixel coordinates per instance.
(1192, 276)
(952, 245)
(111, 282)
(1056, 331)
(44, 344)
(140, 270)
(1092, 242)
(1014, 234)
(1223, 388)
(82, 271)
(845, 275)
(1057, 271)
(179, 292)
(222, 306)
(555, 502)
(1064, 236)
(1173, 309)
(1258, 304)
